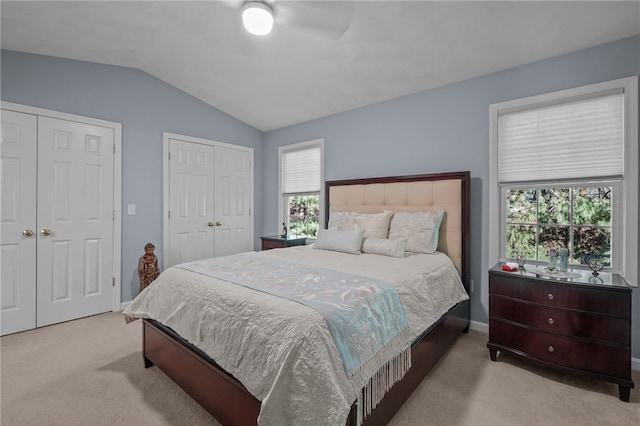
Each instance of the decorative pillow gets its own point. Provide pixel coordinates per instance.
(420, 229)
(384, 247)
(375, 225)
(344, 241)
(337, 220)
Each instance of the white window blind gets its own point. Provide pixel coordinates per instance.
(301, 170)
(573, 140)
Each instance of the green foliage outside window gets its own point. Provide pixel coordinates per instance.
(576, 218)
(304, 213)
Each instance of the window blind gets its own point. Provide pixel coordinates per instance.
(301, 170)
(573, 140)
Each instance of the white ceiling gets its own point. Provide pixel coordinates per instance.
(323, 57)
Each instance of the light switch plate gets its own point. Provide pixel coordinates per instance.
(131, 209)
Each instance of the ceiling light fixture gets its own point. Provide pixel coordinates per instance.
(257, 17)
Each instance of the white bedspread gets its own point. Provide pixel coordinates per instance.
(280, 350)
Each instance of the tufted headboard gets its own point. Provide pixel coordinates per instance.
(447, 191)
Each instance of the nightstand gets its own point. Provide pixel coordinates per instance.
(276, 241)
(576, 325)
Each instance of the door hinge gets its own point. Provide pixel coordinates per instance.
(249, 212)
(114, 148)
(113, 281)
(114, 215)
(169, 214)
(169, 156)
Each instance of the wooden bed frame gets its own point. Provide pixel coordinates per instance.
(226, 399)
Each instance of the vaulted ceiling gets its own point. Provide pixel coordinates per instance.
(323, 57)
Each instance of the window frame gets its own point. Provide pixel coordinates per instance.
(625, 201)
(283, 197)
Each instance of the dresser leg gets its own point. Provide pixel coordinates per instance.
(493, 354)
(625, 391)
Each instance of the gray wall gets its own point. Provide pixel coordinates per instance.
(446, 129)
(146, 107)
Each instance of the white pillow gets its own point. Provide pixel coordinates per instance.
(375, 225)
(420, 229)
(344, 241)
(337, 220)
(384, 247)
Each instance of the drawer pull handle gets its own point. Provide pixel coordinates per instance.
(551, 321)
(550, 296)
(551, 349)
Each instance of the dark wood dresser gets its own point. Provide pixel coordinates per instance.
(276, 241)
(577, 325)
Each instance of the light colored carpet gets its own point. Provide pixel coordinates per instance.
(90, 372)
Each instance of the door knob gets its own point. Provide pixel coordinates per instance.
(210, 224)
(218, 223)
(27, 233)
(45, 232)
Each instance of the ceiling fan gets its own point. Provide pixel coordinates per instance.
(327, 19)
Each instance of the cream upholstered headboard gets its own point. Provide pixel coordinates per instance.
(447, 191)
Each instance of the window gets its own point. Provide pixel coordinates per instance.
(576, 217)
(564, 173)
(301, 187)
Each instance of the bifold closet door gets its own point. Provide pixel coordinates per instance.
(75, 220)
(18, 232)
(56, 241)
(191, 198)
(233, 201)
(210, 201)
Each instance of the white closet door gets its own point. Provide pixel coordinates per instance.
(191, 225)
(209, 194)
(75, 220)
(233, 184)
(17, 220)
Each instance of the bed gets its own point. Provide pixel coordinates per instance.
(227, 396)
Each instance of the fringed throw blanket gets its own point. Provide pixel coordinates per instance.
(365, 316)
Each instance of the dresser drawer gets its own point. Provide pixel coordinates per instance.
(563, 296)
(563, 351)
(605, 328)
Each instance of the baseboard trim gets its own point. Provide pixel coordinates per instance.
(483, 327)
